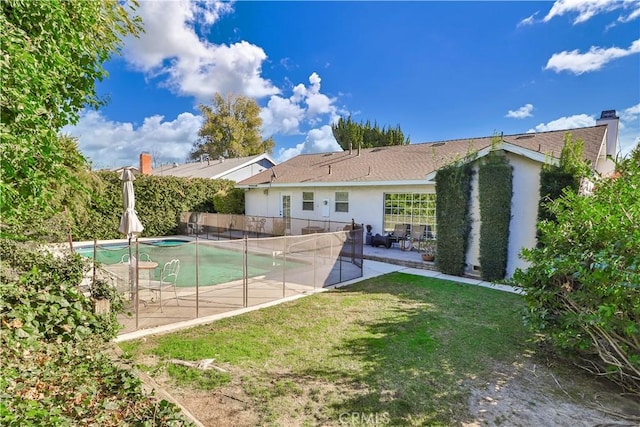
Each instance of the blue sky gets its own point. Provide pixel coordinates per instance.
(440, 70)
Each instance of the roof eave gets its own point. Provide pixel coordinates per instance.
(338, 184)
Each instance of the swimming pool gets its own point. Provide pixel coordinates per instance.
(215, 264)
(84, 250)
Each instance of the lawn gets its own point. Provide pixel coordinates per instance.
(398, 350)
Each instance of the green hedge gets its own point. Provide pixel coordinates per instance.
(495, 184)
(453, 191)
(159, 202)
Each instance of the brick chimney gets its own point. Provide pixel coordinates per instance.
(145, 163)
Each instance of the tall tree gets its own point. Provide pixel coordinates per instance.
(364, 135)
(52, 54)
(231, 128)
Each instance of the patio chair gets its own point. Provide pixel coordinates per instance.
(399, 234)
(144, 257)
(167, 282)
(418, 236)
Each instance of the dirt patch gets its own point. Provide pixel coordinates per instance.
(531, 395)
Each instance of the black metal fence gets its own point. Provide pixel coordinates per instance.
(228, 226)
(218, 275)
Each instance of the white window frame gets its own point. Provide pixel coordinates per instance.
(308, 204)
(343, 204)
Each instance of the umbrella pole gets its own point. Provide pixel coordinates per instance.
(136, 278)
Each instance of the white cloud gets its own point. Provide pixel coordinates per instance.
(571, 122)
(585, 9)
(317, 141)
(630, 114)
(579, 63)
(628, 129)
(521, 113)
(306, 105)
(528, 21)
(634, 14)
(111, 144)
(281, 115)
(171, 49)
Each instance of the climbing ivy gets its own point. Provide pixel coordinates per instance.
(495, 184)
(453, 191)
(556, 179)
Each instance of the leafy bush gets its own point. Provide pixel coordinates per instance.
(52, 350)
(554, 179)
(229, 201)
(495, 177)
(160, 200)
(453, 191)
(583, 285)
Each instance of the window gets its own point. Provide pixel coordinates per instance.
(342, 201)
(410, 208)
(307, 200)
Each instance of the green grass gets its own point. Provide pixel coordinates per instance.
(407, 348)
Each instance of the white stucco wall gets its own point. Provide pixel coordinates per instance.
(366, 204)
(524, 213)
(524, 209)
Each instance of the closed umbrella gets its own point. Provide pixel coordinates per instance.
(130, 225)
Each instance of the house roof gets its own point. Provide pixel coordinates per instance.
(414, 162)
(209, 168)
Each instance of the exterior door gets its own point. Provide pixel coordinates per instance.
(285, 210)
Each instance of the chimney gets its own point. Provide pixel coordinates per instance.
(329, 169)
(145, 163)
(609, 118)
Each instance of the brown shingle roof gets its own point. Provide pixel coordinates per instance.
(414, 161)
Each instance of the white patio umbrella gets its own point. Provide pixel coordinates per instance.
(130, 225)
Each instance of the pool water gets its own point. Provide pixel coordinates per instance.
(216, 265)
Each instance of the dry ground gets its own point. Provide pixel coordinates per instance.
(524, 395)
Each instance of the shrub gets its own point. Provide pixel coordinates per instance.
(54, 369)
(453, 191)
(583, 284)
(160, 200)
(495, 177)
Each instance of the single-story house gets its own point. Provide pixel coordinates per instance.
(234, 169)
(385, 186)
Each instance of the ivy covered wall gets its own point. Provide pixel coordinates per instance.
(453, 190)
(495, 182)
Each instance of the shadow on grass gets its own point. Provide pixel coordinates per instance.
(417, 358)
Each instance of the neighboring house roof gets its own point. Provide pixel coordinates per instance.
(415, 162)
(210, 168)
